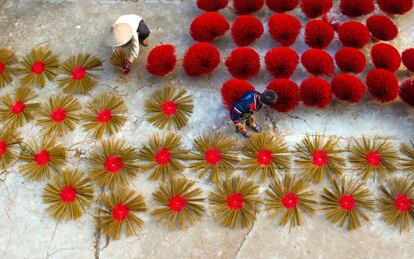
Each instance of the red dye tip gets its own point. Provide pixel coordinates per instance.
(264, 157)
(347, 202)
(120, 212)
(18, 107)
(68, 194)
(177, 203)
(290, 200)
(169, 108)
(402, 203)
(213, 156)
(78, 73)
(2, 67)
(163, 156)
(113, 164)
(235, 201)
(320, 158)
(104, 116)
(38, 67)
(58, 115)
(3, 147)
(42, 158)
(373, 158)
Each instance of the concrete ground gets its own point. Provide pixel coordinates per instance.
(70, 27)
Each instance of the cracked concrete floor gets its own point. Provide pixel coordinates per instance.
(27, 231)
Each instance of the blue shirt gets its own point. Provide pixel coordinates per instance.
(245, 106)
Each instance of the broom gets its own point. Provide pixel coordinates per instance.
(18, 109)
(347, 202)
(8, 62)
(118, 213)
(373, 157)
(169, 108)
(41, 158)
(396, 202)
(59, 115)
(9, 146)
(68, 195)
(319, 156)
(235, 202)
(79, 75)
(163, 155)
(106, 114)
(265, 154)
(113, 164)
(290, 198)
(38, 66)
(180, 204)
(215, 155)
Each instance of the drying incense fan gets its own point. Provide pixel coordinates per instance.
(235, 202)
(161, 60)
(201, 59)
(290, 198)
(59, 115)
(79, 76)
(113, 164)
(318, 156)
(37, 67)
(18, 109)
(41, 158)
(347, 203)
(180, 204)
(9, 146)
(372, 157)
(68, 195)
(169, 107)
(215, 155)
(8, 62)
(163, 155)
(396, 202)
(265, 154)
(118, 213)
(407, 162)
(106, 114)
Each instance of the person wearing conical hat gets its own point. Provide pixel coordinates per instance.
(128, 32)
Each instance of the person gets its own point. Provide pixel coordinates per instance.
(242, 112)
(128, 32)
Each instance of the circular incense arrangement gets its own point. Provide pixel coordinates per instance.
(59, 115)
(180, 204)
(79, 74)
(8, 66)
(38, 66)
(105, 115)
(169, 107)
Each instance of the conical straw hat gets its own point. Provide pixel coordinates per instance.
(121, 34)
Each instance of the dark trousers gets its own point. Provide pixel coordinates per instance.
(143, 31)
